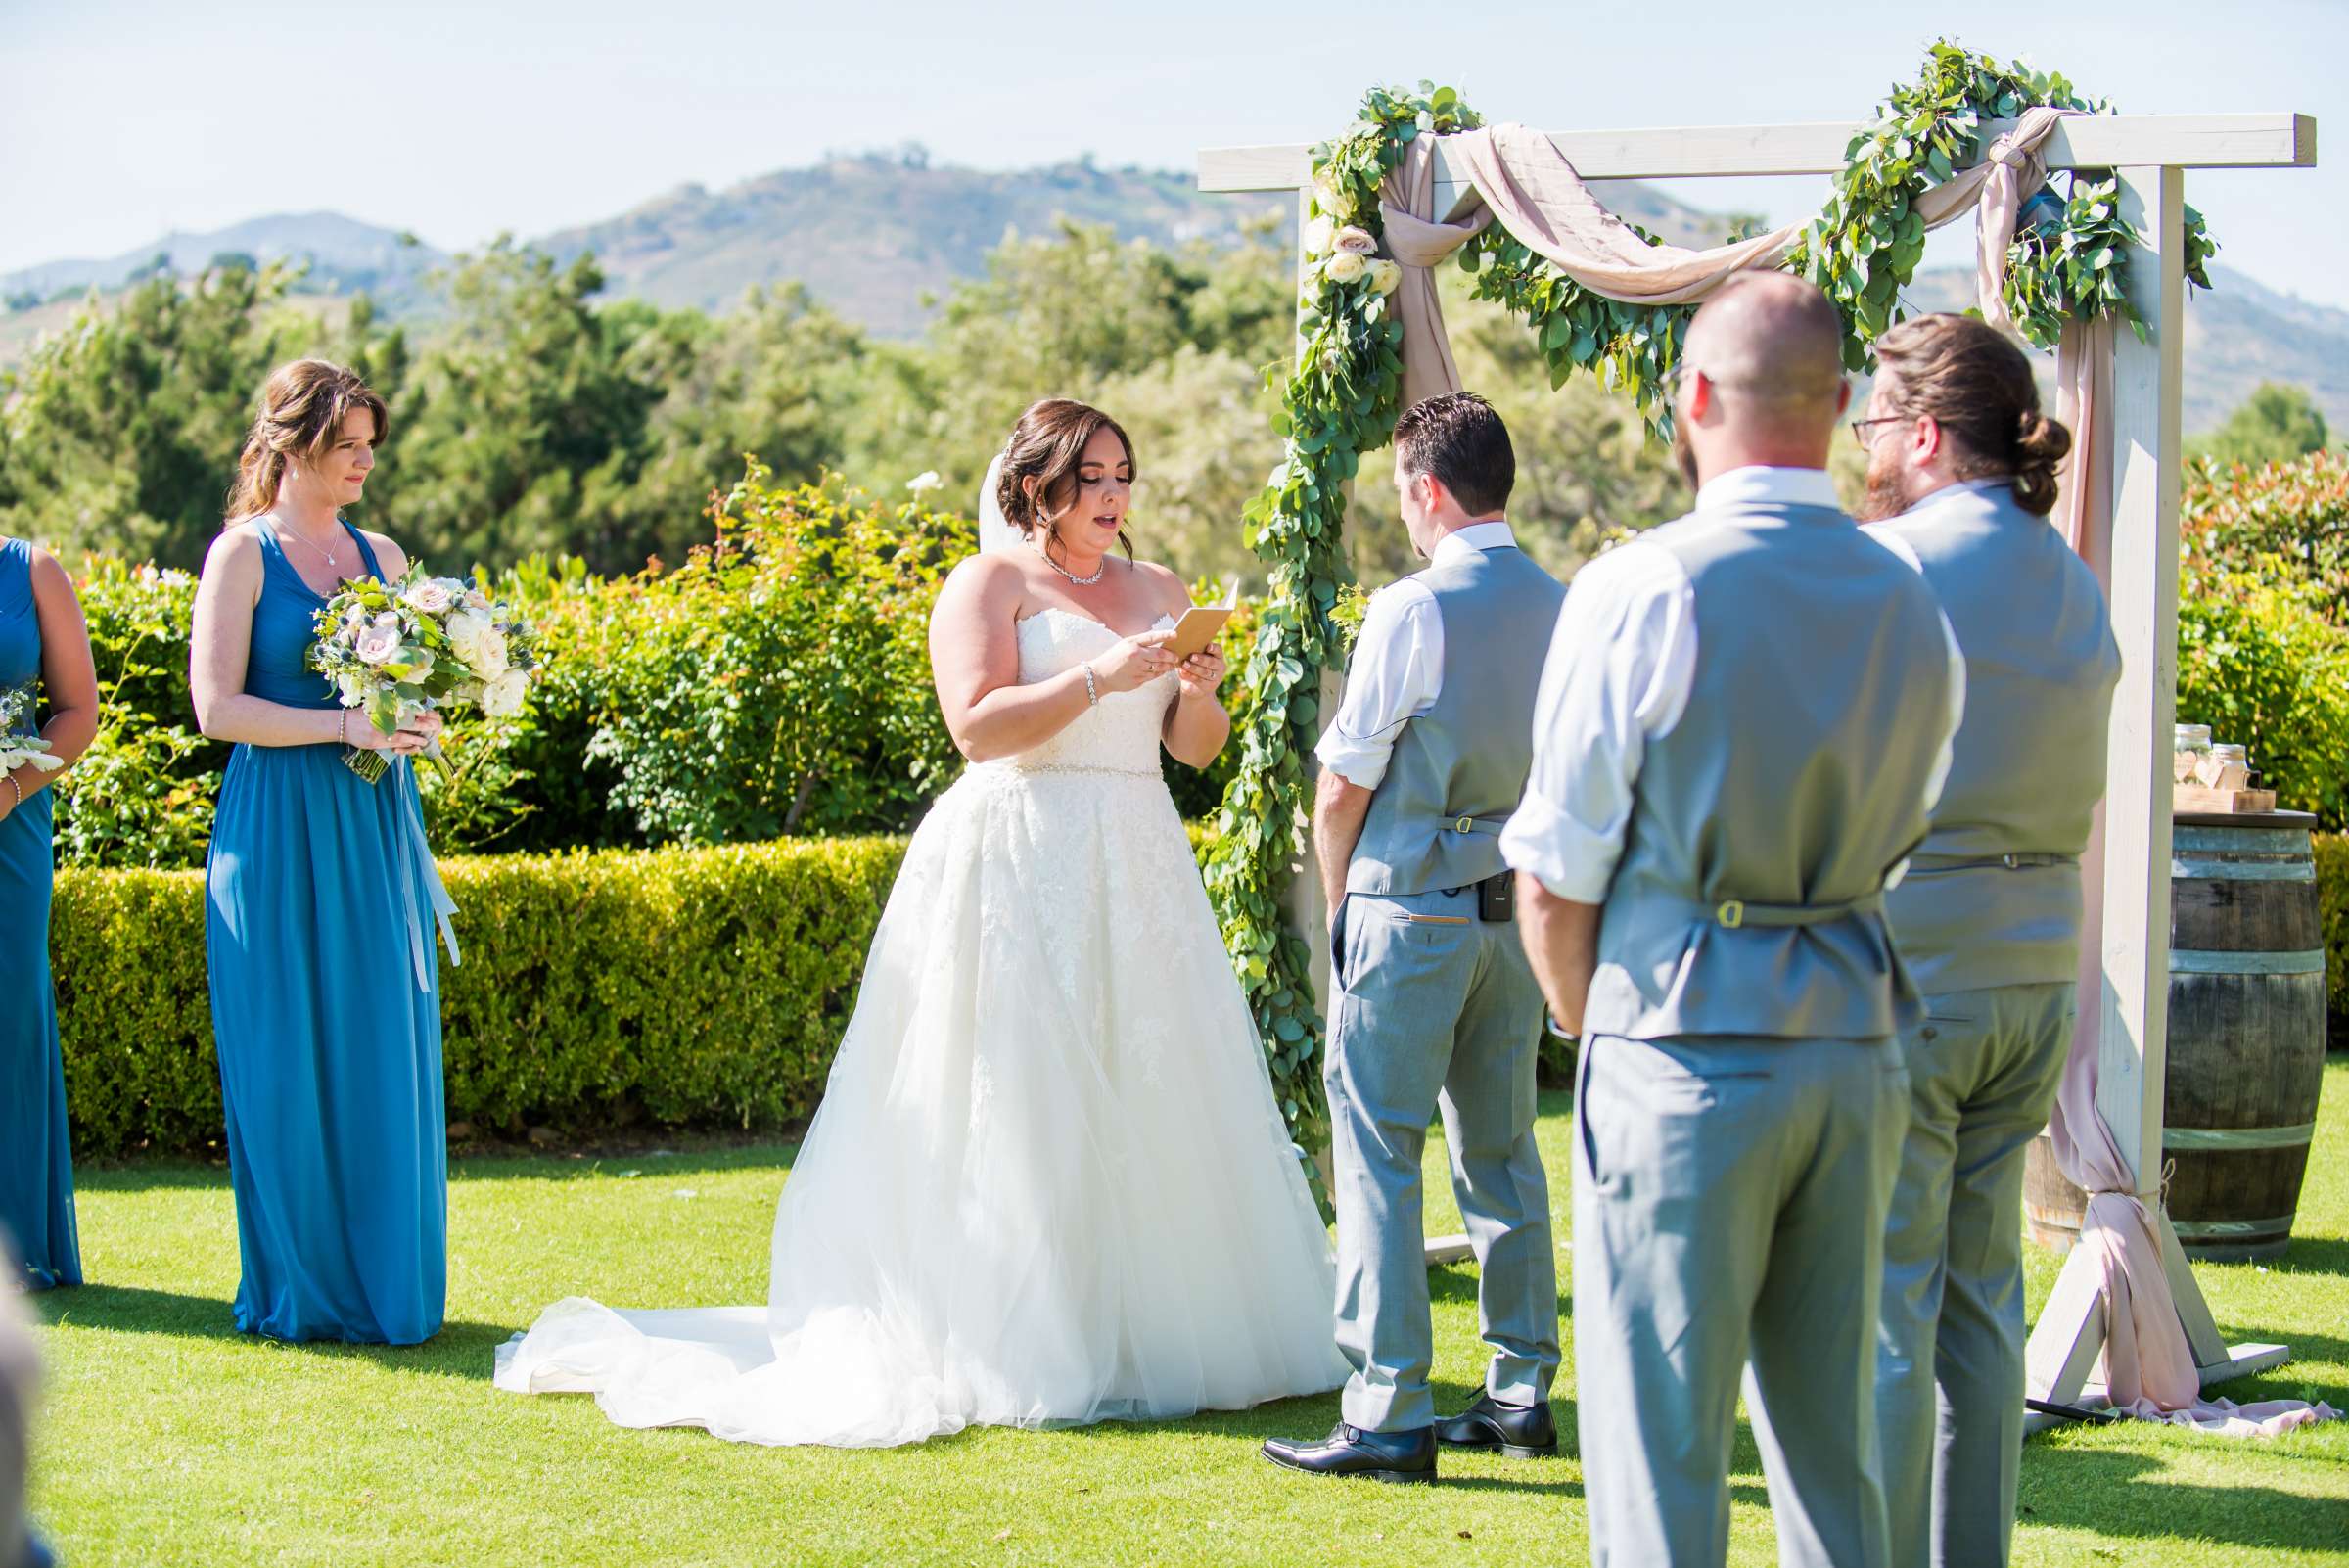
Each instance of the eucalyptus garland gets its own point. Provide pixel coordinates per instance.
(1340, 399)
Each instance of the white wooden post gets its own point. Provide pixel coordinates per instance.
(2151, 152)
(2135, 1006)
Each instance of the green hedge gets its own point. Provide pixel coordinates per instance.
(698, 988)
(704, 987)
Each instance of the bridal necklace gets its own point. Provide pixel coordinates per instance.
(1045, 550)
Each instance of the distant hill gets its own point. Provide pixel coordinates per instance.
(344, 257)
(875, 235)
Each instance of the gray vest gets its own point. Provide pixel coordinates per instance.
(2040, 667)
(1749, 898)
(1458, 769)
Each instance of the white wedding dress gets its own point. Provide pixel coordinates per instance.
(1049, 1184)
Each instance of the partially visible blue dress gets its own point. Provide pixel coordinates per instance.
(326, 1009)
(36, 1162)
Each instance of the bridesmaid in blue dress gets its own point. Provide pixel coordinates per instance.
(321, 899)
(44, 652)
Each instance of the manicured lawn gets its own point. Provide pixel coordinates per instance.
(168, 1439)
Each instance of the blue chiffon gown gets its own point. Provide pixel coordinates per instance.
(36, 1162)
(321, 899)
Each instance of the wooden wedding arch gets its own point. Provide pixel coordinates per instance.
(2151, 155)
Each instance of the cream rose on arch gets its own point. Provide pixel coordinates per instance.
(1357, 240)
(1347, 266)
(1385, 276)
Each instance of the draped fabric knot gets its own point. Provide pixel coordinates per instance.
(2004, 151)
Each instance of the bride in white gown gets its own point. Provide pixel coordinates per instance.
(1049, 1184)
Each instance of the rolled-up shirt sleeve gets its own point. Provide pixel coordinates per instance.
(1621, 665)
(1393, 678)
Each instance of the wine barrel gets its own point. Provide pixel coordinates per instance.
(2246, 1041)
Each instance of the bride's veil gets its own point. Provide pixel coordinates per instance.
(996, 531)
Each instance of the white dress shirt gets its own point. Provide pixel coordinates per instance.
(1398, 666)
(1621, 666)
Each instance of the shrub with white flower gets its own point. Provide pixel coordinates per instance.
(420, 645)
(924, 482)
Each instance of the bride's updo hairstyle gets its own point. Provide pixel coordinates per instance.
(1975, 384)
(1047, 445)
(303, 408)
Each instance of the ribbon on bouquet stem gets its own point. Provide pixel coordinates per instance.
(435, 891)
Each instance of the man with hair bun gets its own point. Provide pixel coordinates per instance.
(1960, 475)
(1740, 733)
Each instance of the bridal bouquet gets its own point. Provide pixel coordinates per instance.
(15, 750)
(403, 649)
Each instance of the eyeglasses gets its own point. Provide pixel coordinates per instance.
(1860, 427)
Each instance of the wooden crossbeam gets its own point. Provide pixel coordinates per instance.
(2094, 141)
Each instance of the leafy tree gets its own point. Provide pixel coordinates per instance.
(2275, 424)
(123, 431)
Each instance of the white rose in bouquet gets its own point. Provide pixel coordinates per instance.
(430, 597)
(475, 599)
(466, 630)
(1358, 241)
(1386, 276)
(1347, 266)
(502, 698)
(490, 655)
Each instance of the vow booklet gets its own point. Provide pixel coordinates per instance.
(1200, 624)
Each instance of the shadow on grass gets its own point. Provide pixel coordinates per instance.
(2120, 1494)
(2318, 1255)
(173, 1174)
(460, 1349)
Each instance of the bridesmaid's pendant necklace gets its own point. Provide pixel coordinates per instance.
(334, 562)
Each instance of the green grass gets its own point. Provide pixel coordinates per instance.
(168, 1439)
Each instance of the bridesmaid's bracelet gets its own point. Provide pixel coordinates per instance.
(14, 785)
(342, 727)
(1092, 693)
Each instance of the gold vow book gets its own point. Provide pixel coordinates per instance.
(1200, 624)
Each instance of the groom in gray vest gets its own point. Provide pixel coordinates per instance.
(1436, 1005)
(1962, 472)
(1744, 722)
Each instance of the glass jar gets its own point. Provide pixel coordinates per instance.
(2225, 768)
(2193, 745)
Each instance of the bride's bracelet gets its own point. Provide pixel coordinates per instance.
(1092, 692)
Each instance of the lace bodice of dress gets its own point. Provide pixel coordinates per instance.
(1120, 734)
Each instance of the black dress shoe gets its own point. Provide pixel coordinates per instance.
(1519, 1431)
(1405, 1457)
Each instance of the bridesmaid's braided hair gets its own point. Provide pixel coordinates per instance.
(303, 410)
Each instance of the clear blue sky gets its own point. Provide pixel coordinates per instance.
(121, 122)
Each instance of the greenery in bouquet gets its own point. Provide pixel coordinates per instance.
(423, 644)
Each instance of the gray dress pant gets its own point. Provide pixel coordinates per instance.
(1983, 1070)
(1435, 1007)
(1728, 1214)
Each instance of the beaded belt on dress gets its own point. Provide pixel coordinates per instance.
(1082, 767)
